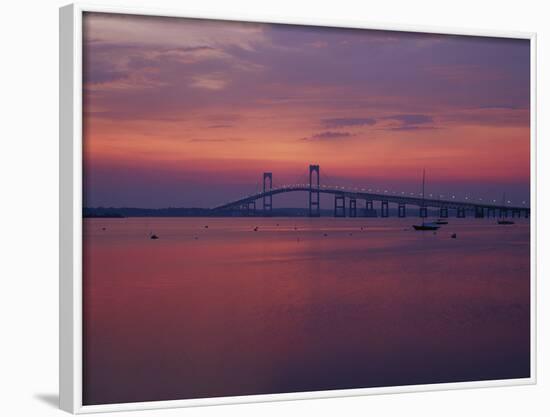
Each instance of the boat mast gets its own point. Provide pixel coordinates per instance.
(423, 191)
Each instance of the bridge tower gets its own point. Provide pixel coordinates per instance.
(314, 195)
(267, 199)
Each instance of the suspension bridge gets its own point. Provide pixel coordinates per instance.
(346, 202)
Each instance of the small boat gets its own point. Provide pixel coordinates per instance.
(502, 220)
(453, 236)
(425, 226)
(153, 236)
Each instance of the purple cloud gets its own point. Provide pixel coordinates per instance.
(348, 121)
(329, 135)
(411, 119)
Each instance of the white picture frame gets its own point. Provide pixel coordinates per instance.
(70, 154)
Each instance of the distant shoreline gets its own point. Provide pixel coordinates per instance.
(124, 212)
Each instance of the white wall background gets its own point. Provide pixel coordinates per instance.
(29, 204)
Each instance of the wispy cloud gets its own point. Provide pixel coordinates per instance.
(329, 135)
(409, 122)
(348, 121)
(209, 82)
(220, 126)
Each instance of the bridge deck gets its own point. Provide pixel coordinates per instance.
(362, 195)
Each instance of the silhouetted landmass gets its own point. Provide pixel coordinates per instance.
(102, 214)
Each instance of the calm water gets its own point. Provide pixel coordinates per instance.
(224, 310)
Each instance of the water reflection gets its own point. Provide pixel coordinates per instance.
(299, 305)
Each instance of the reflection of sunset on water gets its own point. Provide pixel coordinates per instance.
(287, 308)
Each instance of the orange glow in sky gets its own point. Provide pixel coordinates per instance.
(172, 106)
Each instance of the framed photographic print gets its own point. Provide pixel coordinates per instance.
(259, 209)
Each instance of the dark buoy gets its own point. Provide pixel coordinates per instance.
(153, 236)
(325, 234)
(453, 236)
(103, 228)
(206, 227)
(256, 229)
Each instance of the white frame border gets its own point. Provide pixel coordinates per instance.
(70, 214)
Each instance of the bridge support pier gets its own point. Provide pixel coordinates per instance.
(503, 212)
(526, 213)
(491, 212)
(401, 210)
(369, 209)
(314, 195)
(423, 212)
(460, 212)
(384, 209)
(339, 206)
(516, 211)
(251, 208)
(443, 212)
(479, 212)
(267, 199)
(353, 207)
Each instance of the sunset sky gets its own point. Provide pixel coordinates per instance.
(181, 112)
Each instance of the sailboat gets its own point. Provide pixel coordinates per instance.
(424, 225)
(502, 220)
